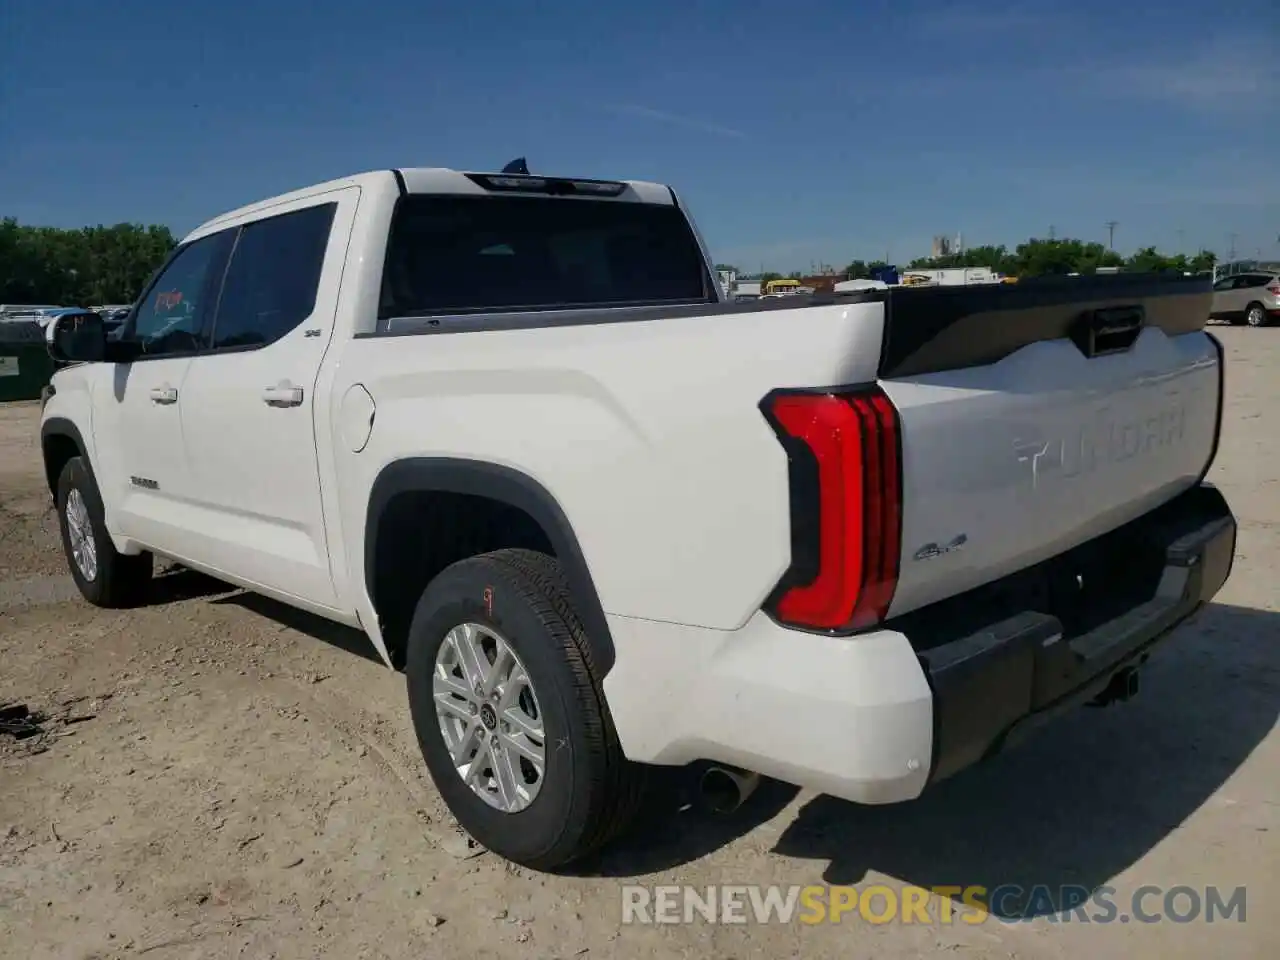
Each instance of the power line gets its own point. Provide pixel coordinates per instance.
(1111, 233)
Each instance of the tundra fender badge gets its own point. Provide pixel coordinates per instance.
(931, 550)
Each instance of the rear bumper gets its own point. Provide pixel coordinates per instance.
(994, 686)
(877, 717)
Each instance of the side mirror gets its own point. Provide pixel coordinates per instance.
(79, 337)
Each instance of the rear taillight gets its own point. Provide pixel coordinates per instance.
(846, 507)
(1274, 288)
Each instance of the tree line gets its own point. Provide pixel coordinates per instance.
(79, 267)
(1038, 257)
(99, 265)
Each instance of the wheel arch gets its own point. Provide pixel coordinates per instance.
(502, 486)
(60, 440)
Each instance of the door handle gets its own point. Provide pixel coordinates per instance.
(164, 394)
(283, 394)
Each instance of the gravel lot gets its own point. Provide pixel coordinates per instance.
(222, 777)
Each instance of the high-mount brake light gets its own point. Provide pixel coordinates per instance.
(557, 186)
(846, 507)
(603, 188)
(517, 183)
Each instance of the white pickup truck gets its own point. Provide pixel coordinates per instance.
(508, 426)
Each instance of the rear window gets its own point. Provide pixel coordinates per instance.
(490, 254)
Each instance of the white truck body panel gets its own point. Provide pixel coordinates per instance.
(648, 434)
(587, 411)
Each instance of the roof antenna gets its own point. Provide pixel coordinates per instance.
(518, 165)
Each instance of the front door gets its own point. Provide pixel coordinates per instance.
(1227, 298)
(250, 410)
(137, 420)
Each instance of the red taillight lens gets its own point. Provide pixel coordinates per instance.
(1274, 288)
(846, 507)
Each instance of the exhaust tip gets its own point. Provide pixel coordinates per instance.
(725, 789)
(1131, 684)
(1122, 686)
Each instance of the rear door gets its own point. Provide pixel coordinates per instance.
(1253, 289)
(249, 405)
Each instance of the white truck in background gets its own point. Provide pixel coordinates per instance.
(507, 426)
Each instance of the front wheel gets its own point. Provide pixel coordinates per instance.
(104, 576)
(510, 715)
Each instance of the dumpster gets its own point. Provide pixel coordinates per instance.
(25, 364)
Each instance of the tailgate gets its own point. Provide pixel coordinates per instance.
(1036, 418)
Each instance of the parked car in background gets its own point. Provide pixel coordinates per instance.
(37, 315)
(1252, 298)
(10, 311)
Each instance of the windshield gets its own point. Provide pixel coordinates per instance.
(469, 254)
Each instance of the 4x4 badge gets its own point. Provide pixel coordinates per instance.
(931, 550)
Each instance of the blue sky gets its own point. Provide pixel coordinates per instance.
(797, 132)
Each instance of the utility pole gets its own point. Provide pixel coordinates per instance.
(1231, 245)
(1111, 233)
(1052, 232)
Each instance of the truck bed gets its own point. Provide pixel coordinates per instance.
(927, 329)
(1033, 417)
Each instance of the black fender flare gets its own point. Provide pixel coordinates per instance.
(61, 427)
(505, 485)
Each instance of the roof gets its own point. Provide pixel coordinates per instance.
(358, 180)
(416, 180)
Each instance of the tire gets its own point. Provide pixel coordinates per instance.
(1255, 315)
(588, 792)
(109, 579)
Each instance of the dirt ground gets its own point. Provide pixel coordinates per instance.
(219, 776)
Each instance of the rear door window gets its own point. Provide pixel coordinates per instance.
(491, 254)
(271, 282)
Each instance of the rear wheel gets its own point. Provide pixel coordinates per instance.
(104, 576)
(1256, 315)
(510, 715)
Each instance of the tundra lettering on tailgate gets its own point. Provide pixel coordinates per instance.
(1108, 439)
